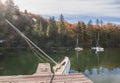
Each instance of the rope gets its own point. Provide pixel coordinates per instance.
(52, 78)
(38, 54)
(29, 41)
(33, 51)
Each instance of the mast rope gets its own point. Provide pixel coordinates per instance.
(33, 51)
(37, 53)
(30, 42)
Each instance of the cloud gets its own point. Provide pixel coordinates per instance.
(97, 8)
(82, 7)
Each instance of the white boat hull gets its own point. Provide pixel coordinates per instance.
(98, 49)
(78, 49)
(63, 67)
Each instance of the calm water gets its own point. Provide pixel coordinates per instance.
(103, 67)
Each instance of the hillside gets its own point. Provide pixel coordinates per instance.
(51, 33)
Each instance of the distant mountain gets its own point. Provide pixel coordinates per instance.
(75, 18)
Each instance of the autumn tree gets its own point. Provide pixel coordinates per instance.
(1, 5)
(9, 4)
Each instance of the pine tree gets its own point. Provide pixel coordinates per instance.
(25, 11)
(48, 30)
(97, 22)
(61, 29)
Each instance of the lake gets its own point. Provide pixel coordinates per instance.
(103, 67)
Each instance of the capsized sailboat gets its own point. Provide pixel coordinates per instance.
(59, 68)
(62, 67)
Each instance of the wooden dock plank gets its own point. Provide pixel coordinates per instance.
(69, 78)
(44, 75)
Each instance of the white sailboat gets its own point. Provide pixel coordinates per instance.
(77, 48)
(59, 68)
(98, 48)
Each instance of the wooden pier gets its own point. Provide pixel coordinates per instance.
(44, 75)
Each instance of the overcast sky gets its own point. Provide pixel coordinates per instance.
(109, 8)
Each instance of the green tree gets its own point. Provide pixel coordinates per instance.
(91, 31)
(61, 28)
(52, 27)
(85, 36)
(79, 31)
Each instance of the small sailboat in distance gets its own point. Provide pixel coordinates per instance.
(98, 48)
(77, 48)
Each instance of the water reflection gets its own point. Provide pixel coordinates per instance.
(87, 59)
(101, 68)
(104, 75)
(102, 71)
